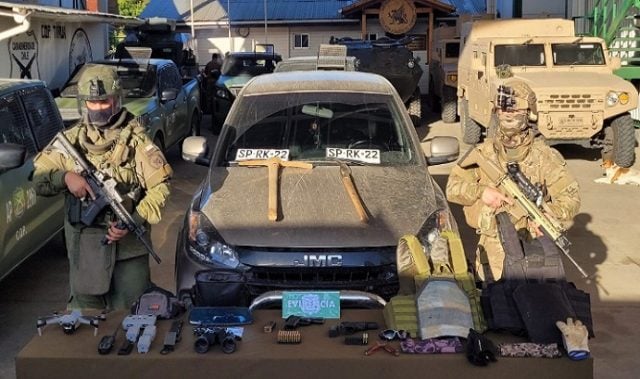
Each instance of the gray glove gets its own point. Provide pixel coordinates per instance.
(575, 337)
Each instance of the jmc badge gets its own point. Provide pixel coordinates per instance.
(325, 304)
(398, 16)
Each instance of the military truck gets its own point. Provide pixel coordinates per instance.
(579, 99)
(443, 72)
(391, 59)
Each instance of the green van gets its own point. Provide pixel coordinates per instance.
(29, 119)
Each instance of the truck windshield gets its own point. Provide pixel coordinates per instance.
(519, 55)
(577, 54)
(136, 81)
(321, 127)
(252, 66)
(452, 50)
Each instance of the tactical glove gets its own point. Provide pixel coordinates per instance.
(575, 338)
(480, 349)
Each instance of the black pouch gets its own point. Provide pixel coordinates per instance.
(74, 209)
(220, 287)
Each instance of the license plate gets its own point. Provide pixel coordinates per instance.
(361, 155)
(249, 154)
(571, 121)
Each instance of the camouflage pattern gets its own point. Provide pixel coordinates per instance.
(432, 346)
(529, 350)
(99, 83)
(124, 152)
(541, 164)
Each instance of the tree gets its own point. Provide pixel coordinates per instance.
(131, 7)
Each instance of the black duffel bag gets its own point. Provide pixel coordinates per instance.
(220, 288)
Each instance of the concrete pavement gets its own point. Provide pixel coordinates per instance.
(605, 237)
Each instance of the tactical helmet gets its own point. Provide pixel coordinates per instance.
(99, 83)
(515, 108)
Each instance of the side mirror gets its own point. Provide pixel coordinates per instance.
(443, 150)
(11, 156)
(196, 150)
(215, 74)
(169, 94)
(615, 63)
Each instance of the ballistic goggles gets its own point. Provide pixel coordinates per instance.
(391, 334)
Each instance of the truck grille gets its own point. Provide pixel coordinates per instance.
(381, 280)
(566, 102)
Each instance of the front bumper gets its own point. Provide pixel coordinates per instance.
(373, 273)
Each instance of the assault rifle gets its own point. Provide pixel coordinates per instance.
(106, 195)
(529, 201)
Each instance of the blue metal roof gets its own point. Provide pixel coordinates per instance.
(277, 10)
(246, 10)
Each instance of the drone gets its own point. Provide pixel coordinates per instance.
(70, 322)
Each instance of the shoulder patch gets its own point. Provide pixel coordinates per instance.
(156, 160)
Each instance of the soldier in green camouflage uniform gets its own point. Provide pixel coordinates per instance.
(113, 275)
(514, 142)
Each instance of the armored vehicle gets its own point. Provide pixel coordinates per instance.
(579, 99)
(160, 35)
(392, 59)
(443, 72)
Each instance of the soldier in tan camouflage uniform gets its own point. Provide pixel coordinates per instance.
(514, 141)
(113, 275)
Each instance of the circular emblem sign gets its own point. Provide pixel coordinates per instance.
(398, 16)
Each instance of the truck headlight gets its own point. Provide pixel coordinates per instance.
(612, 98)
(205, 244)
(222, 93)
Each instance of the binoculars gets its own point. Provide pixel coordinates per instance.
(215, 336)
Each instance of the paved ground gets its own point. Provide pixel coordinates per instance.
(605, 237)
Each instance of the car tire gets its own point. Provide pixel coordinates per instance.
(196, 119)
(471, 130)
(157, 140)
(620, 141)
(449, 105)
(414, 108)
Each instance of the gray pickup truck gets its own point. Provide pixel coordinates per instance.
(155, 92)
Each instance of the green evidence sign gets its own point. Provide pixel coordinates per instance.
(325, 304)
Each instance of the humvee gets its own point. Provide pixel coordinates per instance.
(443, 72)
(579, 99)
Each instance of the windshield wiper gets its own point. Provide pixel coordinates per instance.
(341, 161)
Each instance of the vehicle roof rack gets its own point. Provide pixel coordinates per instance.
(332, 57)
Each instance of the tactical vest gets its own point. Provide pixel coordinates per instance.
(533, 292)
(402, 310)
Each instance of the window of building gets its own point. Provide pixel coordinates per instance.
(372, 36)
(301, 41)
